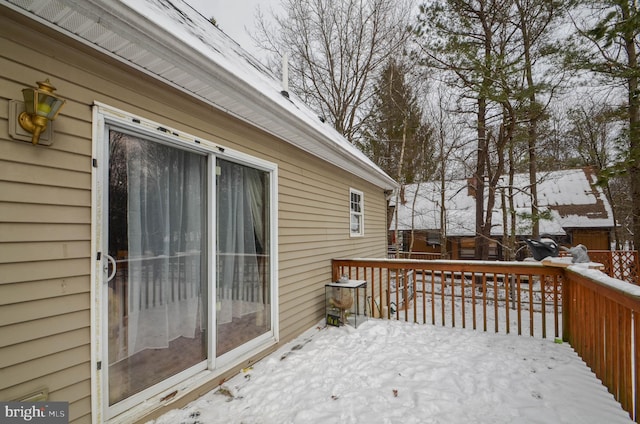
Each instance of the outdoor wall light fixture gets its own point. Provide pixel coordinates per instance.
(41, 106)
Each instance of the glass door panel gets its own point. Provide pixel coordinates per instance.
(243, 286)
(157, 238)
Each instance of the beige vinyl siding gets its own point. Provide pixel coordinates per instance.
(42, 251)
(40, 328)
(314, 228)
(45, 211)
(45, 217)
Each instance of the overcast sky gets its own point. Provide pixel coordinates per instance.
(235, 17)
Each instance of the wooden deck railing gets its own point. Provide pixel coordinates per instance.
(502, 296)
(595, 313)
(600, 321)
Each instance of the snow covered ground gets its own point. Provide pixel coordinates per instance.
(399, 372)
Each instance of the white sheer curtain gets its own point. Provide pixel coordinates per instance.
(241, 241)
(165, 239)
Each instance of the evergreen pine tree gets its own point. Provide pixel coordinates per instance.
(397, 139)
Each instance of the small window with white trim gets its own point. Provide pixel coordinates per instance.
(356, 213)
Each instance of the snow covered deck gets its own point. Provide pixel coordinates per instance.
(389, 371)
(576, 360)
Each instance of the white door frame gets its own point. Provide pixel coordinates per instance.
(138, 405)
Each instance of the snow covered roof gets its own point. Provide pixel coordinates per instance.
(173, 43)
(570, 196)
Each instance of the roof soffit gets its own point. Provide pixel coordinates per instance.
(115, 29)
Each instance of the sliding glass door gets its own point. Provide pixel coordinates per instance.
(187, 237)
(157, 244)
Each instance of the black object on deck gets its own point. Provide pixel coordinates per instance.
(543, 248)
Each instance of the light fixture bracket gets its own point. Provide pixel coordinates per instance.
(17, 132)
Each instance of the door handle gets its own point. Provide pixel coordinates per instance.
(114, 266)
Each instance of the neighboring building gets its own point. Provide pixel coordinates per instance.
(577, 212)
(182, 223)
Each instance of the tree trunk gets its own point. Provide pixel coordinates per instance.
(628, 37)
(478, 180)
(533, 116)
(404, 140)
(443, 199)
(413, 216)
(634, 124)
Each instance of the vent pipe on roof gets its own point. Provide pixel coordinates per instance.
(285, 75)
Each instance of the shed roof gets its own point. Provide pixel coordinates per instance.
(570, 196)
(173, 43)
